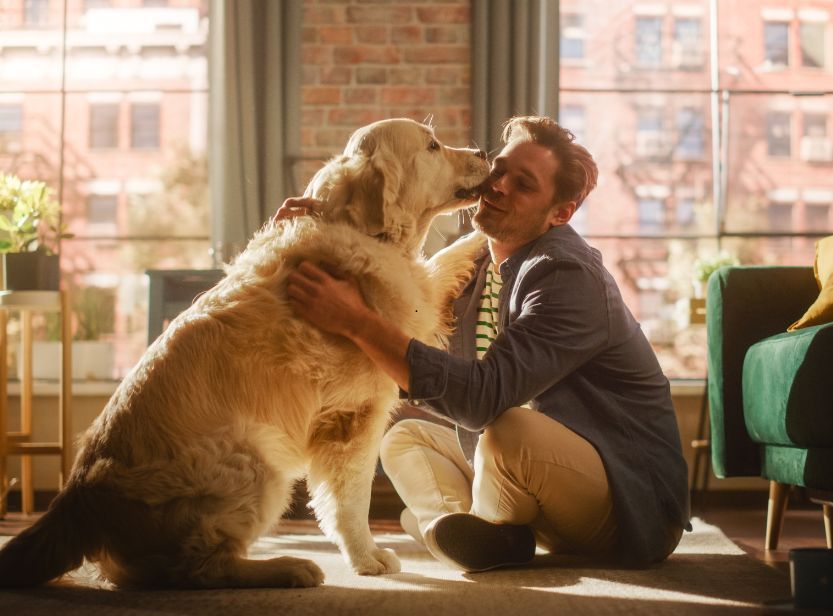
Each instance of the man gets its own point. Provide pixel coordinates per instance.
(566, 435)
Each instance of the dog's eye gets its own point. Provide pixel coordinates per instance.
(434, 145)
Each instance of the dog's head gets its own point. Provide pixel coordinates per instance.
(394, 177)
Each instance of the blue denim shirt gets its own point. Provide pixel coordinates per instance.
(569, 346)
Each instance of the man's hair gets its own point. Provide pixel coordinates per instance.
(577, 171)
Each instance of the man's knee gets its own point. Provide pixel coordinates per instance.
(502, 438)
(398, 439)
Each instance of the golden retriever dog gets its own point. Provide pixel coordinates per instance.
(196, 453)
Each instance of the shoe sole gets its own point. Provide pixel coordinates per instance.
(472, 544)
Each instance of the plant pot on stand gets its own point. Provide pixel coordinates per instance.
(30, 271)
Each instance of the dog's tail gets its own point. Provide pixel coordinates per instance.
(55, 544)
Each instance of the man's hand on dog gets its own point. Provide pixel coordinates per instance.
(329, 300)
(295, 207)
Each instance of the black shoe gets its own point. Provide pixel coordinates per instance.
(466, 542)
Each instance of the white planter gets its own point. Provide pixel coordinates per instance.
(92, 360)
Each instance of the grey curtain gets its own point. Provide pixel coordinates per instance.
(254, 107)
(514, 64)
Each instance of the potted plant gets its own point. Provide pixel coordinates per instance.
(29, 232)
(705, 266)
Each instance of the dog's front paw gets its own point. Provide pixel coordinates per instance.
(376, 562)
(299, 573)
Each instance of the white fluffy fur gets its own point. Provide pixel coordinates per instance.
(196, 453)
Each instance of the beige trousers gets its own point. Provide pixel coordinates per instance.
(528, 469)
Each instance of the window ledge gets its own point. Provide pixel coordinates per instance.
(79, 388)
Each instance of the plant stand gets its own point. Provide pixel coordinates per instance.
(20, 443)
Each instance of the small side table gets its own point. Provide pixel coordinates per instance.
(20, 443)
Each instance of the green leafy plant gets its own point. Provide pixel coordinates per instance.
(29, 216)
(704, 266)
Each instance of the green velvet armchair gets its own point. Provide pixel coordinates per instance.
(770, 392)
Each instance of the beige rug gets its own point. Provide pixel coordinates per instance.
(707, 574)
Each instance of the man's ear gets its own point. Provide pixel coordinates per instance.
(562, 213)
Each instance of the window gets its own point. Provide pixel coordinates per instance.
(78, 111)
(144, 125)
(777, 43)
(811, 35)
(684, 215)
(817, 217)
(690, 133)
(572, 37)
(650, 137)
(11, 127)
(778, 133)
(102, 209)
(687, 52)
(648, 52)
(651, 215)
(572, 118)
(104, 125)
(36, 12)
(816, 146)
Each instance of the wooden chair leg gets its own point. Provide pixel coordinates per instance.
(827, 508)
(778, 494)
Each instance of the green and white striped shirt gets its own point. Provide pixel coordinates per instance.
(487, 316)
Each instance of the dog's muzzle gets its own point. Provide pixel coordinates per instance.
(468, 193)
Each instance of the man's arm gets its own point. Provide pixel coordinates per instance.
(336, 305)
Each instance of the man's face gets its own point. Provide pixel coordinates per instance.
(516, 206)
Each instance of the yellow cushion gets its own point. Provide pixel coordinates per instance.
(822, 309)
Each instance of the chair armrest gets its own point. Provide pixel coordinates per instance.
(744, 305)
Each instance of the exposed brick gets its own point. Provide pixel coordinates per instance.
(436, 54)
(321, 96)
(336, 75)
(354, 117)
(316, 54)
(308, 136)
(311, 116)
(379, 14)
(309, 75)
(368, 75)
(406, 35)
(309, 35)
(335, 35)
(371, 34)
(365, 96)
(405, 75)
(443, 75)
(313, 15)
(408, 96)
(333, 138)
(366, 54)
(443, 14)
(440, 34)
(453, 96)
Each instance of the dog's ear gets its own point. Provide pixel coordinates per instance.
(376, 188)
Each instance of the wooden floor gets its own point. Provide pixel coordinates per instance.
(741, 516)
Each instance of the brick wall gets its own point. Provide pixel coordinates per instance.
(369, 60)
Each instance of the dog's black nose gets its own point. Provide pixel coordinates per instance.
(480, 154)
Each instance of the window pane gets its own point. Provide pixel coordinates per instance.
(11, 127)
(812, 44)
(777, 43)
(144, 125)
(134, 187)
(642, 154)
(648, 43)
(766, 178)
(636, 45)
(572, 37)
(778, 133)
(110, 278)
(104, 125)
